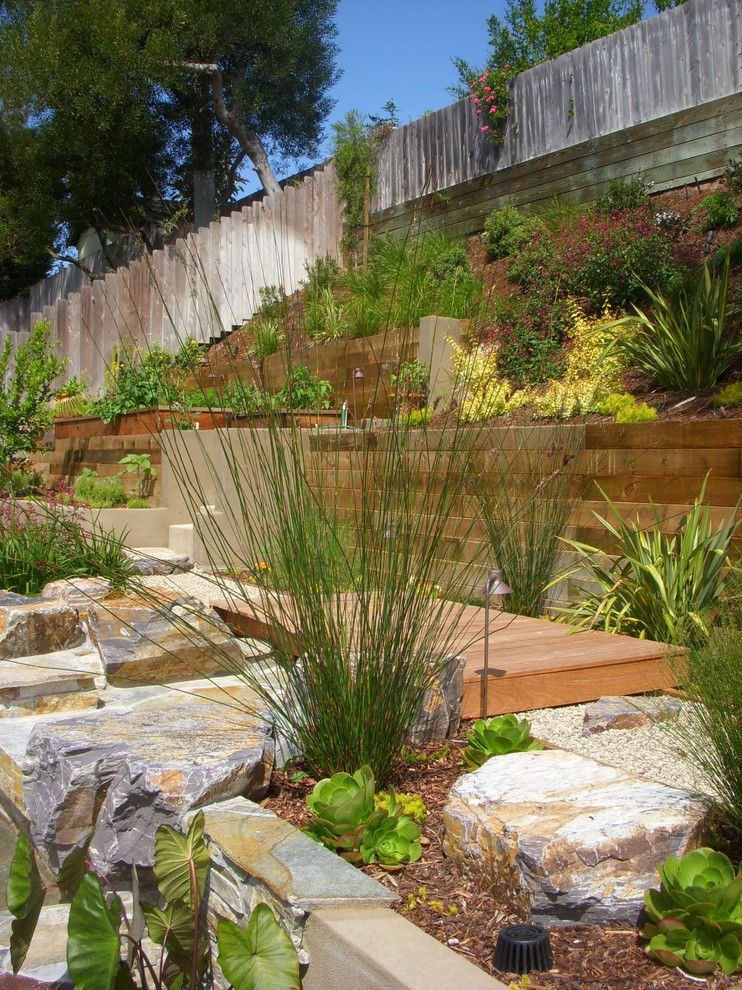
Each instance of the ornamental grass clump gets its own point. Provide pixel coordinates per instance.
(498, 736)
(696, 916)
(353, 539)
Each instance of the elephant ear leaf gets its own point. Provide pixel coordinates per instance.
(25, 899)
(259, 957)
(93, 940)
(181, 861)
(73, 870)
(172, 927)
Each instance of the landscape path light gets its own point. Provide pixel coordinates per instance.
(494, 587)
(357, 374)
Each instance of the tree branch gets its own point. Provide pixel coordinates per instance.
(247, 138)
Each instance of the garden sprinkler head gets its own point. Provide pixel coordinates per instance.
(523, 949)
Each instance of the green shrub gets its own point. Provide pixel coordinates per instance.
(20, 482)
(322, 274)
(137, 503)
(733, 175)
(588, 255)
(498, 736)
(730, 395)
(529, 332)
(418, 418)
(325, 317)
(696, 915)
(46, 543)
(268, 338)
(659, 585)
(505, 232)
(244, 398)
(411, 381)
(138, 383)
(717, 210)
(274, 303)
(104, 493)
(623, 195)
(303, 390)
(27, 376)
(685, 341)
(626, 409)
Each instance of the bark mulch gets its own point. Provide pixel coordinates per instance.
(454, 910)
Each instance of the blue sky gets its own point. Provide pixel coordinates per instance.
(401, 50)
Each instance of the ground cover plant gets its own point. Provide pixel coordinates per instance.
(43, 542)
(496, 737)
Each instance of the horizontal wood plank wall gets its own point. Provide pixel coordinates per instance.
(66, 461)
(680, 59)
(665, 462)
(200, 286)
(670, 152)
(375, 357)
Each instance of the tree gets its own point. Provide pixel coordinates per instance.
(137, 103)
(525, 37)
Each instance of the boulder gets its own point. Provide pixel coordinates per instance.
(181, 640)
(78, 592)
(35, 626)
(439, 713)
(120, 772)
(149, 561)
(561, 838)
(626, 713)
(52, 682)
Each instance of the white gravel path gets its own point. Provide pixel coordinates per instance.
(200, 584)
(649, 751)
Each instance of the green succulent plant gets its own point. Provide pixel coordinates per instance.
(496, 737)
(341, 806)
(410, 804)
(696, 916)
(391, 841)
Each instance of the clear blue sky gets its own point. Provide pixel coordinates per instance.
(401, 50)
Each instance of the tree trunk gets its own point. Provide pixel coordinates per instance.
(202, 158)
(247, 138)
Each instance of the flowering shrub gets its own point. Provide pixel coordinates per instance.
(490, 94)
(529, 334)
(599, 258)
(592, 371)
(479, 389)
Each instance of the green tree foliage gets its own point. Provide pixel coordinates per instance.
(127, 100)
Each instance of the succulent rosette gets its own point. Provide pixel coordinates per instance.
(391, 841)
(696, 915)
(341, 806)
(496, 737)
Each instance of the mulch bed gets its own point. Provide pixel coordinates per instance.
(586, 957)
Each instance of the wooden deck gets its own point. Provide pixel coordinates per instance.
(532, 663)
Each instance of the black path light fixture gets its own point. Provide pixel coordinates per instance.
(494, 587)
(523, 949)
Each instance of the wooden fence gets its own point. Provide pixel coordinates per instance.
(200, 286)
(676, 61)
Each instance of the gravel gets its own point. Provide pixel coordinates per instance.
(200, 584)
(648, 751)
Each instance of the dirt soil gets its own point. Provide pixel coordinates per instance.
(586, 957)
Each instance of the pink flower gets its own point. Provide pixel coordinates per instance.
(493, 109)
(476, 99)
(479, 112)
(484, 129)
(487, 89)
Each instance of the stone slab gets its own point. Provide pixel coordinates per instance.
(179, 641)
(626, 713)
(258, 857)
(78, 592)
(563, 838)
(35, 627)
(46, 956)
(119, 772)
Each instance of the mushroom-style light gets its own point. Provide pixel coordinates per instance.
(494, 586)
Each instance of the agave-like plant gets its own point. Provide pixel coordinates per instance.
(391, 841)
(498, 736)
(696, 916)
(342, 805)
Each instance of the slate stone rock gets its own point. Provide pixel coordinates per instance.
(626, 713)
(181, 640)
(36, 627)
(121, 772)
(561, 838)
(78, 592)
(150, 561)
(439, 713)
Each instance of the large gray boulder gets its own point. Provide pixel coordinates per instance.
(559, 837)
(120, 772)
(439, 713)
(30, 627)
